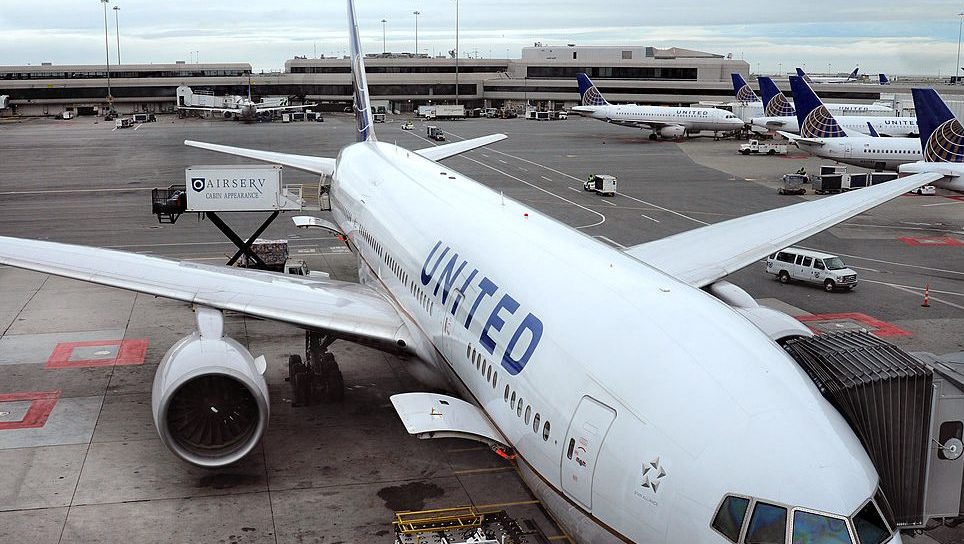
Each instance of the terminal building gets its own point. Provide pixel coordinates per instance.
(544, 76)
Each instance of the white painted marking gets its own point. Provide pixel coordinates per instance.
(915, 291)
(858, 268)
(611, 241)
(137, 126)
(608, 202)
(914, 288)
(502, 161)
(951, 203)
(650, 218)
(545, 178)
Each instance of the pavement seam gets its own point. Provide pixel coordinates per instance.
(27, 302)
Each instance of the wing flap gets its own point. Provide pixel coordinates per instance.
(344, 309)
(316, 165)
(445, 151)
(701, 256)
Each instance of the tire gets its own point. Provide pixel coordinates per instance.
(653, 136)
(294, 362)
(771, 152)
(744, 152)
(784, 277)
(829, 286)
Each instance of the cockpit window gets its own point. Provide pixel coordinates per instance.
(729, 518)
(768, 525)
(871, 529)
(810, 528)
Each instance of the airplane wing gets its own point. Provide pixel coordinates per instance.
(796, 138)
(344, 309)
(701, 256)
(219, 110)
(316, 165)
(280, 108)
(444, 151)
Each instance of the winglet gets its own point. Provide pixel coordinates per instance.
(775, 103)
(588, 91)
(363, 107)
(742, 90)
(941, 134)
(814, 118)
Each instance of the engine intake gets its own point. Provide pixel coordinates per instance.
(210, 399)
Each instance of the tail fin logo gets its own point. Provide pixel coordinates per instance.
(779, 106)
(746, 94)
(592, 97)
(821, 124)
(946, 144)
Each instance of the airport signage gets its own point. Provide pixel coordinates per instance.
(233, 188)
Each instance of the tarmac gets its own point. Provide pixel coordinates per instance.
(81, 459)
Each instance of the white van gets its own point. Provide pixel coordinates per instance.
(811, 266)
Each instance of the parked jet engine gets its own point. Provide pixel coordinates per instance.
(673, 132)
(210, 399)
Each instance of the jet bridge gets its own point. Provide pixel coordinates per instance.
(908, 412)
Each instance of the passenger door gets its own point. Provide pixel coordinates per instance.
(584, 440)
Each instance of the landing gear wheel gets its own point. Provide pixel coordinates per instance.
(829, 286)
(333, 379)
(783, 276)
(653, 136)
(300, 380)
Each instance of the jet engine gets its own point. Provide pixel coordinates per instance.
(777, 325)
(210, 399)
(674, 132)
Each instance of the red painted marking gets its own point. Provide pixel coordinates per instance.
(879, 328)
(943, 241)
(956, 197)
(130, 352)
(41, 403)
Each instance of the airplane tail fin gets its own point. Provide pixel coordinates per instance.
(814, 118)
(853, 75)
(363, 108)
(742, 90)
(775, 103)
(802, 74)
(941, 134)
(589, 93)
(883, 79)
(872, 131)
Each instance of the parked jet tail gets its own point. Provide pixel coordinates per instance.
(775, 103)
(589, 93)
(853, 75)
(814, 118)
(742, 90)
(802, 74)
(363, 108)
(941, 134)
(883, 79)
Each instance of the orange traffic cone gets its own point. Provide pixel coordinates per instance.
(927, 296)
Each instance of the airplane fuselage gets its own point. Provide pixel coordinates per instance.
(875, 153)
(900, 127)
(653, 399)
(654, 117)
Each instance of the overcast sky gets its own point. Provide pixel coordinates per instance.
(897, 37)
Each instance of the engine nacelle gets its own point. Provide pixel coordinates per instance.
(777, 325)
(674, 132)
(210, 399)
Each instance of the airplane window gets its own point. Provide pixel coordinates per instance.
(768, 525)
(488, 375)
(507, 392)
(535, 423)
(871, 529)
(512, 402)
(811, 528)
(468, 350)
(518, 408)
(572, 446)
(495, 379)
(729, 518)
(545, 431)
(528, 414)
(484, 367)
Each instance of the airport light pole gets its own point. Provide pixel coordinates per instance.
(110, 99)
(416, 14)
(117, 32)
(384, 49)
(957, 67)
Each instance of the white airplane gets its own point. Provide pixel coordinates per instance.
(787, 120)
(240, 107)
(680, 420)
(852, 78)
(666, 122)
(823, 135)
(942, 140)
(777, 104)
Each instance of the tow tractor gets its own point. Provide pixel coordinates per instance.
(758, 148)
(602, 184)
(435, 133)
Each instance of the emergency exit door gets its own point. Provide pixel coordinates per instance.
(583, 443)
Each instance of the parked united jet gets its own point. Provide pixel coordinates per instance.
(942, 140)
(779, 113)
(824, 135)
(681, 420)
(663, 121)
(852, 78)
(240, 107)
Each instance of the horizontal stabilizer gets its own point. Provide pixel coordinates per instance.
(315, 165)
(445, 151)
(430, 415)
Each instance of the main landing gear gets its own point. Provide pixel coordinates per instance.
(316, 378)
